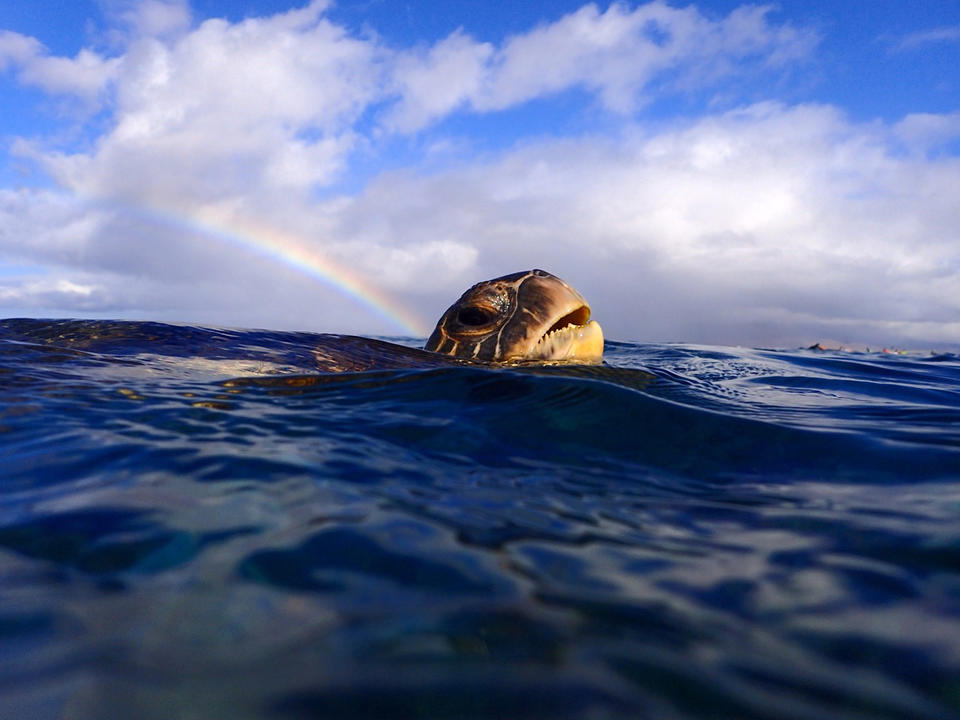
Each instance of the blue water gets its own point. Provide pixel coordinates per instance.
(205, 524)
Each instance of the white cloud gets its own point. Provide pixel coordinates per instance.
(616, 53)
(86, 75)
(925, 132)
(40, 226)
(950, 33)
(65, 291)
(767, 223)
(265, 103)
(154, 18)
(433, 82)
(17, 49)
(270, 105)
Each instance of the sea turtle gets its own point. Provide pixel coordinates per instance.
(529, 317)
(522, 317)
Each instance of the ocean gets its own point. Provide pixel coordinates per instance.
(207, 523)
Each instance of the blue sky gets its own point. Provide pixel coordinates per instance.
(708, 172)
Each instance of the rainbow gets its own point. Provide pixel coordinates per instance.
(292, 252)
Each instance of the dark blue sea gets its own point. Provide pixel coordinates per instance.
(206, 523)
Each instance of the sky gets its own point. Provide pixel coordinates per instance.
(710, 172)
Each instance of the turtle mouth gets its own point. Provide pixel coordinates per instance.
(574, 336)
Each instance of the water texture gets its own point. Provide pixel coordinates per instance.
(201, 523)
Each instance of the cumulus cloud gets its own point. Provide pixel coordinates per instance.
(764, 224)
(925, 132)
(84, 76)
(432, 82)
(152, 18)
(220, 170)
(17, 49)
(263, 105)
(616, 54)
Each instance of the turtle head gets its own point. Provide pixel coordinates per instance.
(526, 316)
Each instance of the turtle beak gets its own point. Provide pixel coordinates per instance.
(536, 317)
(581, 343)
(560, 329)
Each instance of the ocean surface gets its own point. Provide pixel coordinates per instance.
(204, 523)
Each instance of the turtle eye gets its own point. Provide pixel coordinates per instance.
(475, 316)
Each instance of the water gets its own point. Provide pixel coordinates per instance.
(198, 524)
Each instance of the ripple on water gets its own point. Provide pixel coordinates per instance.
(197, 522)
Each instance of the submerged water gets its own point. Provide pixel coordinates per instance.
(198, 524)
